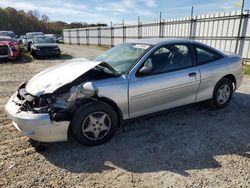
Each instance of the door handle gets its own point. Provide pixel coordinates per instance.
(192, 74)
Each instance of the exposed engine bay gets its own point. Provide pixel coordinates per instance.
(62, 103)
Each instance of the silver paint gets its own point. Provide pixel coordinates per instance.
(134, 96)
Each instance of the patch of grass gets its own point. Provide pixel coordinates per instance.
(246, 69)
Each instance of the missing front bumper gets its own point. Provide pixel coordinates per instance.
(38, 127)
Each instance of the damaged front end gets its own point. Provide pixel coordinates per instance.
(45, 116)
(56, 108)
(9, 51)
(59, 105)
(42, 108)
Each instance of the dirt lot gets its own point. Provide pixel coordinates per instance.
(192, 147)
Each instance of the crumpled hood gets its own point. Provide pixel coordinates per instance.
(55, 77)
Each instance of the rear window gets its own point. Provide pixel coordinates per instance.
(205, 55)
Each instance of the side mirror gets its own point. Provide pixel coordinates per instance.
(144, 71)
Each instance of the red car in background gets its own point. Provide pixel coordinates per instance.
(9, 48)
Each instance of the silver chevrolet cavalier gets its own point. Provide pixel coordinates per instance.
(89, 99)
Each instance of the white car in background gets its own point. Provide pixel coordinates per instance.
(28, 39)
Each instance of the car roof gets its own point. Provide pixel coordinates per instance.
(5, 37)
(160, 41)
(34, 33)
(156, 41)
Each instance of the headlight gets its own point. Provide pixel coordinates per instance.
(85, 90)
(76, 92)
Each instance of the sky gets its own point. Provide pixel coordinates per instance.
(105, 11)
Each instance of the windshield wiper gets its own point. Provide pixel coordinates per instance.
(106, 65)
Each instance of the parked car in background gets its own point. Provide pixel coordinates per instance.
(29, 39)
(9, 48)
(20, 39)
(8, 34)
(57, 37)
(88, 99)
(43, 46)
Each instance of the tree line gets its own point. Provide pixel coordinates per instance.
(22, 22)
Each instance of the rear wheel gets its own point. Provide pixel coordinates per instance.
(222, 93)
(94, 123)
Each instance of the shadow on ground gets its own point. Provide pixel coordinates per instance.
(62, 57)
(178, 141)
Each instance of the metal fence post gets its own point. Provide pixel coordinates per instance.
(69, 33)
(78, 37)
(243, 33)
(191, 23)
(123, 31)
(112, 34)
(99, 36)
(139, 28)
(160, 28)
(240, 25)
(63, 36)
(87, 36)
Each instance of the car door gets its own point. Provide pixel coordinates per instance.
(173, 80)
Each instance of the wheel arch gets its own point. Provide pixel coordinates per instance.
(232, 78)
(114, 106)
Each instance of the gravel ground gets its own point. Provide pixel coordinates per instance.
(193, 147)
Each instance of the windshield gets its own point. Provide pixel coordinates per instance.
(39, 40)
(31, 35)
(7, 33)
(123, 56)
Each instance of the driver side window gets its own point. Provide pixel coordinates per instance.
(169, 58)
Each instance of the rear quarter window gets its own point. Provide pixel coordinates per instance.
(205, 55)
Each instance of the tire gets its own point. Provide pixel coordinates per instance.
(222, 94)
(34, 55)
(28, 48)
(59, 54)
(91, 121)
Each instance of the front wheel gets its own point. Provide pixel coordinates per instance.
(223, 92)
(94, 123)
